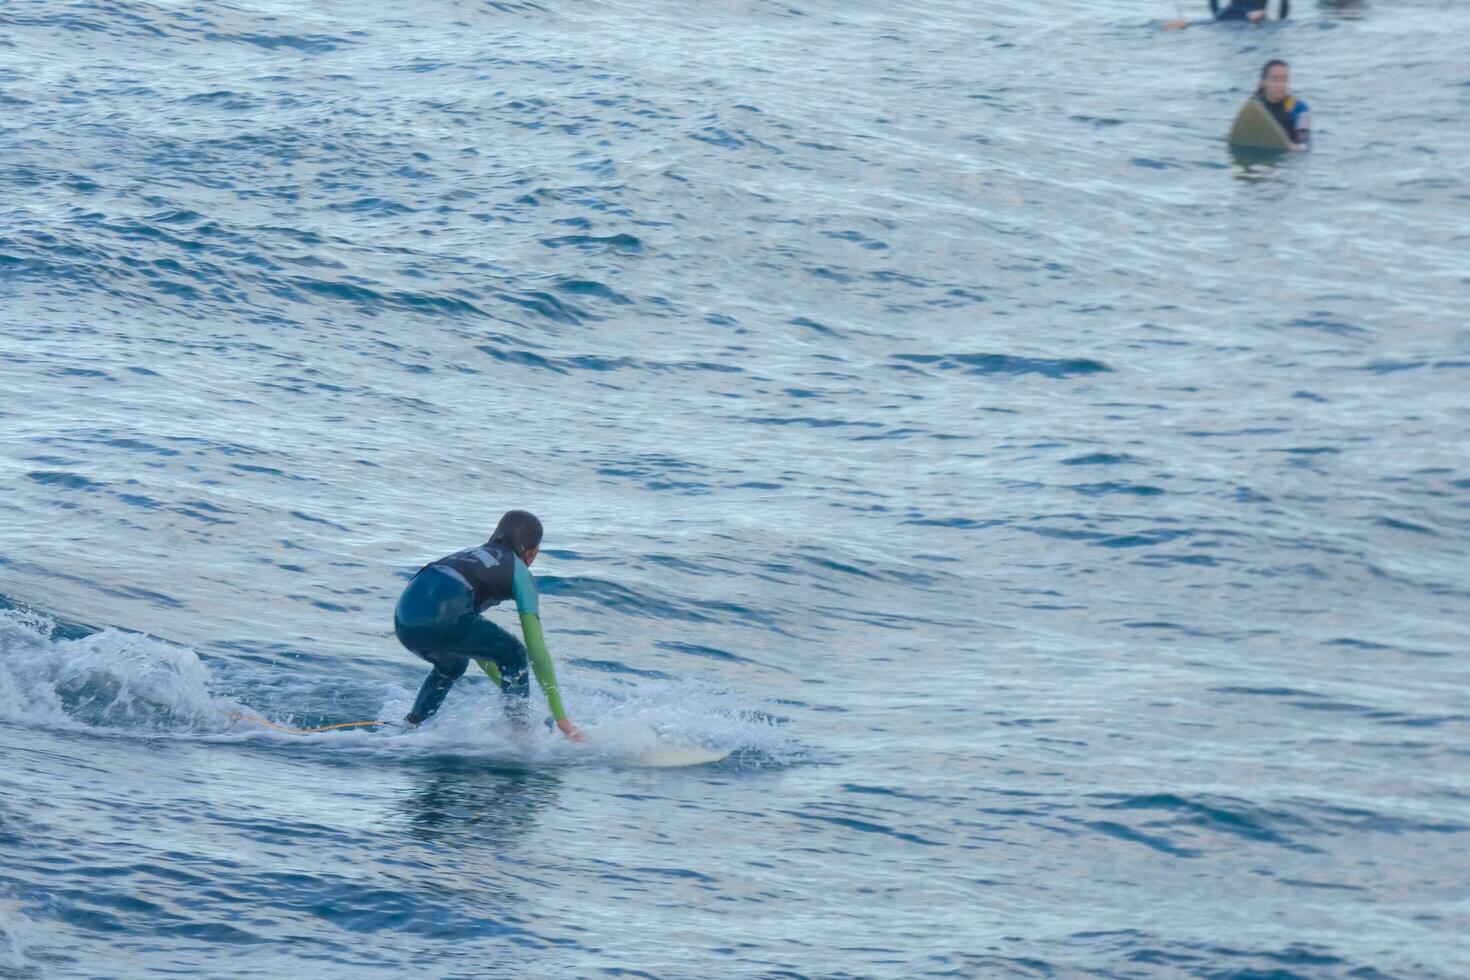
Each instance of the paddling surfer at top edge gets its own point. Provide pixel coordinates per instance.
(1247, 10)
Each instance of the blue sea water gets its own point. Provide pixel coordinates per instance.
(1062, 521)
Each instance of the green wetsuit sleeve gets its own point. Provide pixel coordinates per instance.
(528, 604)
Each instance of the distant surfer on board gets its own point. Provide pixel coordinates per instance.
(438, 618)
(1288, 110)
(1251, 10)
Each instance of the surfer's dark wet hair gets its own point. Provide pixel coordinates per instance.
(519, 530)
(1273, 63)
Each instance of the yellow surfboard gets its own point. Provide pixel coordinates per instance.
(1254, 127)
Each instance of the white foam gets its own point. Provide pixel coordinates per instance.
(109, 680)
(622, 724)
(123, 683)
(16, 932)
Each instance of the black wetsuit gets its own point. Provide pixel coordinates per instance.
(1240, 9)
(1293, 114)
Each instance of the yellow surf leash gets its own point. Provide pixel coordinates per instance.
(489, 668)
(307, 731)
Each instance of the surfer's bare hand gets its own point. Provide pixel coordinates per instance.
(1176, 25)
(570, 730)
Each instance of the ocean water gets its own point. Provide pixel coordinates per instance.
(1060, 520)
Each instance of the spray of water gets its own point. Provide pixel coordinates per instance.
(112, 682)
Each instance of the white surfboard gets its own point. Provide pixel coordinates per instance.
(677, 756)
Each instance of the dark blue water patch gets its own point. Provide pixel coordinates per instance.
(884, 791)
(688, 874)
(371, 300)
(1245, 495)
(547, 305)
(308, 44)
(1006, 364)
(812, 325)
(897, 434)
(525, 358)
(627, 244)
(862, 826)
(223, 99)
(1218, 433)
(832, 565)
(856, 237)
(593, 362)
(588, 287)
(1142, 540)
(1101, 459)
(319, 520)
(1103, 539)
(1269, 692)
(708, 653)
(1364, 645)
(1307, 450)
(1326, 885)
(65, 481)
(810, 422)
(622, 599)
(374, 206)
(1234, 817)
(146, 595)
(617, 667)
(1104, 489)
(1392, 367)
(324, 604)
(1161, 844)
(1159, 624)
(264, 471)
(198, 510)
(139, 445)
(1418, 721)
(1399, 525)
(76, 372)
(678, 564)
(1368, 646)
(139, 500)
(1271, 967)
(965, 523)
(1336, 707)
(659, 483)
(893, 277)
(1325, 323)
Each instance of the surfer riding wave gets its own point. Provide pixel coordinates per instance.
(438, 619)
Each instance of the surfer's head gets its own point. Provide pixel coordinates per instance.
(520, 531)
(1275, 78)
